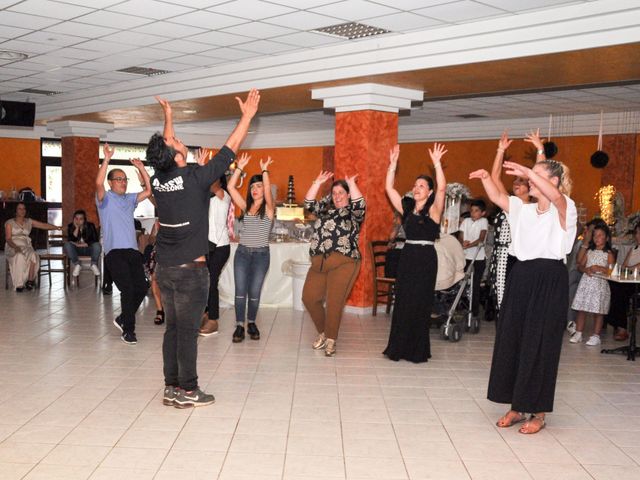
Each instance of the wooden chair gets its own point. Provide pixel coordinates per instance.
(382, 286)
(85, 262)
(54, 240)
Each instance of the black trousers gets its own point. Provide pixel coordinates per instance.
(216, 260)
(478, 271)
(620, 295)
(125, 266)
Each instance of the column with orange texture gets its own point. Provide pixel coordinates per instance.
(80, 163)
(366, 129)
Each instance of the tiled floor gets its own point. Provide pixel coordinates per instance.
(78, 403)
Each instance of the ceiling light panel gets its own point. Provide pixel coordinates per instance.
(352, 30)
(355, 10)
(150, 8)
(45, 8)
(252, 9)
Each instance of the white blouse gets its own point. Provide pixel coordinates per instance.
(535, 235)
(218, 210)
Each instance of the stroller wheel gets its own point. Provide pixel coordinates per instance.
(444, 334)
(455, 334)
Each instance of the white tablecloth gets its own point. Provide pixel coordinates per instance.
(277, 288)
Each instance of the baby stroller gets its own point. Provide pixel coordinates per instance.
(455, 300)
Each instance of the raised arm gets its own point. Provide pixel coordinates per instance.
(548, 189)
(441, 183)
(168, 131)
(534, 138)
(102, 171)
(315, 185)
(354, 191)
(495, 195)
(266, 183)
(233, 181)
(496, 168)
(392, 193)
(248, 108)
(145, 181)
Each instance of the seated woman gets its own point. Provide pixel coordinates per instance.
(82, 240)
(23, 259)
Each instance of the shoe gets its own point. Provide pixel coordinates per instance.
(29, 285)
(194, 398)
(330, 348)
(209, 328)
(119, 323)
(95, 269)
(253, 331)
(621, 336)
(170, 394)
(76, 270)
(129, 338)
(320, 342)
(19, 289)
(594, 341)
(576, 338)
(107, 290)
(159, 318)
(571, 327)
(238, 335)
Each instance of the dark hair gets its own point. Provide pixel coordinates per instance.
(250, 201)
(479, 203)
(160, 155)
(80, 212)
(26, 215)
(337, 183)
(111, 173)
(601, 226)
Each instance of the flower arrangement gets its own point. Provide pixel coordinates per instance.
(633, 220)
(606, 199)
(458, 190)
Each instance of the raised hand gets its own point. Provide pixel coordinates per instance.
(250, 106)
(136, 162)
(323, 177)
(351, 180)
(394, 154)
(243, 160)
(534, 138)
(166, 106)
(481, 174)
(264, 164)
(515, 169)
(108, 152)
(202, 157)
(504, 141)
(437, 153)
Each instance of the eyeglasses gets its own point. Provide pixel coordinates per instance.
(119, 179)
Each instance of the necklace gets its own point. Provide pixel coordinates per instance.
(542, 212)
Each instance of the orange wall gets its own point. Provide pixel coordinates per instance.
(19, 164)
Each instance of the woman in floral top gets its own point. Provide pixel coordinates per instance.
(335, 258)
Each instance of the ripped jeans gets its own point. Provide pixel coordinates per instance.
(250, 266)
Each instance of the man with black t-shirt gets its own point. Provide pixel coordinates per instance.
(182, 197)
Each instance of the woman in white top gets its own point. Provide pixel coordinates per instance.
(534, 310)
(219, 251)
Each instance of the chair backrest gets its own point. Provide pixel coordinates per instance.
(378, 251)
(54, 239)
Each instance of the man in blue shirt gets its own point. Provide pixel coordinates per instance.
(122, 257)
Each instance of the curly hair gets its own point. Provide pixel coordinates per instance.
(160, 155)
(561, 171)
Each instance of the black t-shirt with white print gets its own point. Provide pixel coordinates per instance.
(182, 197)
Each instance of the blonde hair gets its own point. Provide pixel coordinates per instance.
(561, 171)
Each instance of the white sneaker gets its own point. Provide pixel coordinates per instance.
(95, 269)
(594, 341)
(576, 337)
(571, 327)
(76, 270)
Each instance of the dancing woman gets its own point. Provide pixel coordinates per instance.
(534, 310)
(418, 266)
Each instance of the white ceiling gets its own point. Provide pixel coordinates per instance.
(76, 46)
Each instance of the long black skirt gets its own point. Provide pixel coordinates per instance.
(529, 336)
(415, 284)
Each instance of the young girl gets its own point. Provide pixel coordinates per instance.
(593, 294)
(251, 261)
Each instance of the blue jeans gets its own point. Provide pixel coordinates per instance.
(184, 295)
(250, 266)
(73, 252)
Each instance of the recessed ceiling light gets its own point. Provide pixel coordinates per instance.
(189, 112)
(38, 91)
(16, 56)
(149, 72)
(351, 30)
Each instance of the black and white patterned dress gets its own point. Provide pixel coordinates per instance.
(593, 294)
(499, 257)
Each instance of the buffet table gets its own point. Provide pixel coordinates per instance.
(277, 288)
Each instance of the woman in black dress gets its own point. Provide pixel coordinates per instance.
(416, 279)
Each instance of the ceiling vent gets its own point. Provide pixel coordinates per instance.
(471, 115)
(146, 71)
(37, 91)
(351, 30)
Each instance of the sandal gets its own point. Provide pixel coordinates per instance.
(537, 425)
(510, 419)
(159, 320)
